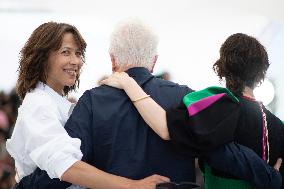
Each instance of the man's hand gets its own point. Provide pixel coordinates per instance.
(278, 164)
(149, 182)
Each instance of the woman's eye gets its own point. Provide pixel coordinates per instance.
(65, 52)
(79, 53)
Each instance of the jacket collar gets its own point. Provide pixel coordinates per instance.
(140, 74)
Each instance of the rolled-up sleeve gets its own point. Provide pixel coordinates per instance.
(47, 142)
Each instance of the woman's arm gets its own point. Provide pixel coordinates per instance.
(153, 114)
(83, 174)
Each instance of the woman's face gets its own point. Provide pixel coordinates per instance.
(64, 64)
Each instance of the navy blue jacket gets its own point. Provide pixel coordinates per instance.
(115, 139)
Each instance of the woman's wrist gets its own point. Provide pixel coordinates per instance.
(128, 83)
(133, 90)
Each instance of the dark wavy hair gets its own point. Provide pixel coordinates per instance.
(243, 62)
(34, 55)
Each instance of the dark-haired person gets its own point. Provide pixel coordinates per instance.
(49, 69)
(207, 119)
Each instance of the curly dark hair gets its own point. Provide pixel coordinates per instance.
(243, 62)
(34, 55)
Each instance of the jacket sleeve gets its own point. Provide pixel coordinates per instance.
(202, 133)
(245, 164)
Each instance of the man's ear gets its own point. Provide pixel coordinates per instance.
(155, 58)
(113, 63)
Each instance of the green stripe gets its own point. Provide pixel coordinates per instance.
(210, 91)
(215, 182)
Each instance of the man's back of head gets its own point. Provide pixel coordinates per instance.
(133, 44)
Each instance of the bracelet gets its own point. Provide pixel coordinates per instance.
(141, 98)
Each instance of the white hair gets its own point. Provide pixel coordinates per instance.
(133, 43)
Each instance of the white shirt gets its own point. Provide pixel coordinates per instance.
(39, 138)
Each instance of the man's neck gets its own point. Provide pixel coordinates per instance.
(125, 68)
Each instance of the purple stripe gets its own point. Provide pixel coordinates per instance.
(202, 104)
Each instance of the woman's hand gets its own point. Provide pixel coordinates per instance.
(149, 182)
(278, 164)
(117, 80)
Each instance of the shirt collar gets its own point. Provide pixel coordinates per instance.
(140, 74)
(62, 102)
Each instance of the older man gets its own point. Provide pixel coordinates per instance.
(114, 136)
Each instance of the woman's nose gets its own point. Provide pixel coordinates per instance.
(76, 60)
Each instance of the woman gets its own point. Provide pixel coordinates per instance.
(49, 69)
(214, 116)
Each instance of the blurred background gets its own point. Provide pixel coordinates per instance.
(191, 33)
